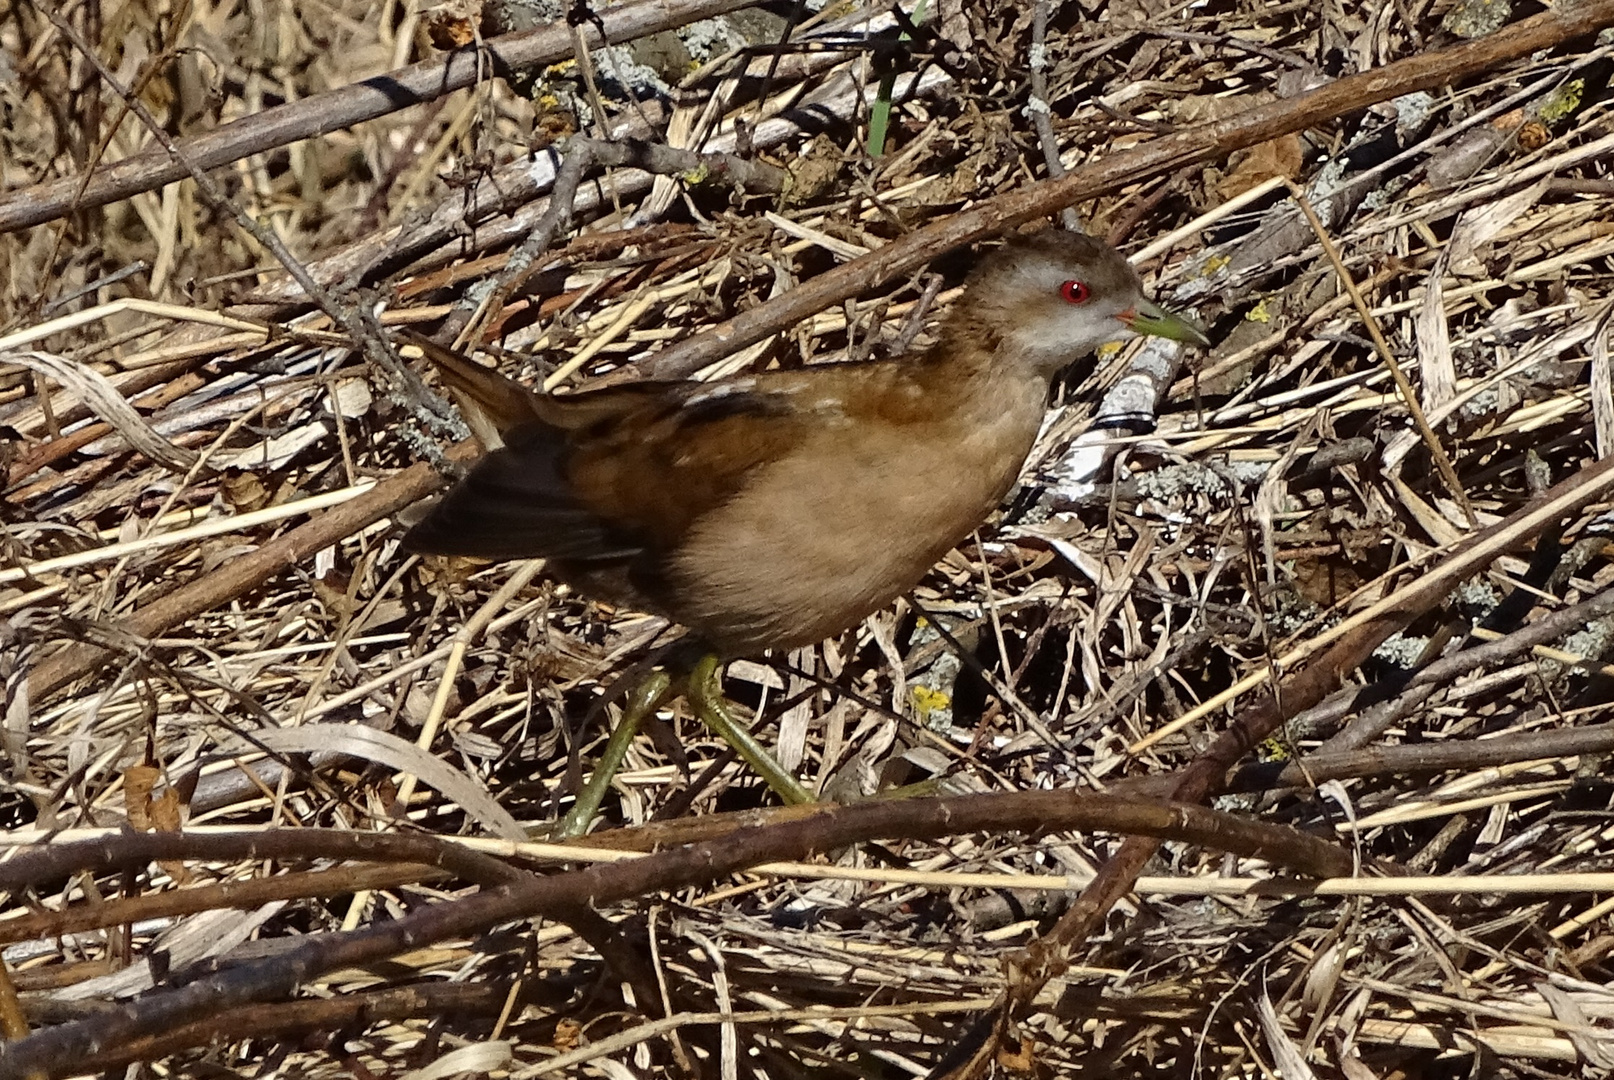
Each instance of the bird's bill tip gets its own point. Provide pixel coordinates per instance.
(1155, 321)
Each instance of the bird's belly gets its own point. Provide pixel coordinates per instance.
(807, 552)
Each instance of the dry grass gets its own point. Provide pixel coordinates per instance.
(1121, 614)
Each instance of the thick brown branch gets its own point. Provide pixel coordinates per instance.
(56, 1050)
(328, 1015)
(250, 893)
(34, 866)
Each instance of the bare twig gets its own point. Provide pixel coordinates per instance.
(1456, 754)
(1040, 109)
(579, 155)
(1374, 721)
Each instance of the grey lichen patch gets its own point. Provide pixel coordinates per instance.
(1412, 110)
(1402, 650)
(1483, 404)
(712, 37)
(930, 691)
(1292, 618)
(666, 54)
(1225, 481)
(620, 72)
(1593, 643)
(1478, 595)
(1477, 18)
(931, 694)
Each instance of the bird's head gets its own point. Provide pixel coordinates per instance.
(1052, 298)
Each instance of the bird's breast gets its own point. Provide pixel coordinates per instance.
(853, 519)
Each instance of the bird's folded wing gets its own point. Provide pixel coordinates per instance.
(612, 475)
(664, 464)
(517, 503)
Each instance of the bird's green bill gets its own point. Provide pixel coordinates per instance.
(1154, 320)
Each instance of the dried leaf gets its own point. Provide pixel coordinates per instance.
(1282, 157)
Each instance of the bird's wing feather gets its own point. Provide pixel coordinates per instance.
(517, 503)
(666, 462)
(618, 474)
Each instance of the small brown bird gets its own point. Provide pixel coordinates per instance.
(775, 510)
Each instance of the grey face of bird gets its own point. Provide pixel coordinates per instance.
(1057, 296)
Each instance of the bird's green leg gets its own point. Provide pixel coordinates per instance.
(706, 697)
(641, 703)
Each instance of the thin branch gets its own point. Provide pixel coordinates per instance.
(1458, 754)
(31, 866)
(580, 155)
(1040, 109)
(1374, 721)
(335, 1014)
(250, 893)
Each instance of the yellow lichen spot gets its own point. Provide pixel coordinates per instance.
(561, 68)
(698, 175)
(1260, 312)
(1565, 101)
(1273, 748)
(927, 700)
(548, 101)
(1215, 264)
(1108, 349)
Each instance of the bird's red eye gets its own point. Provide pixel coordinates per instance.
(1075, 292)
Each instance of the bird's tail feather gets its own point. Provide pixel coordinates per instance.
(493, 405)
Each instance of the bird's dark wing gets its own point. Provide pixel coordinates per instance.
(516, 503)
(615, 475)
